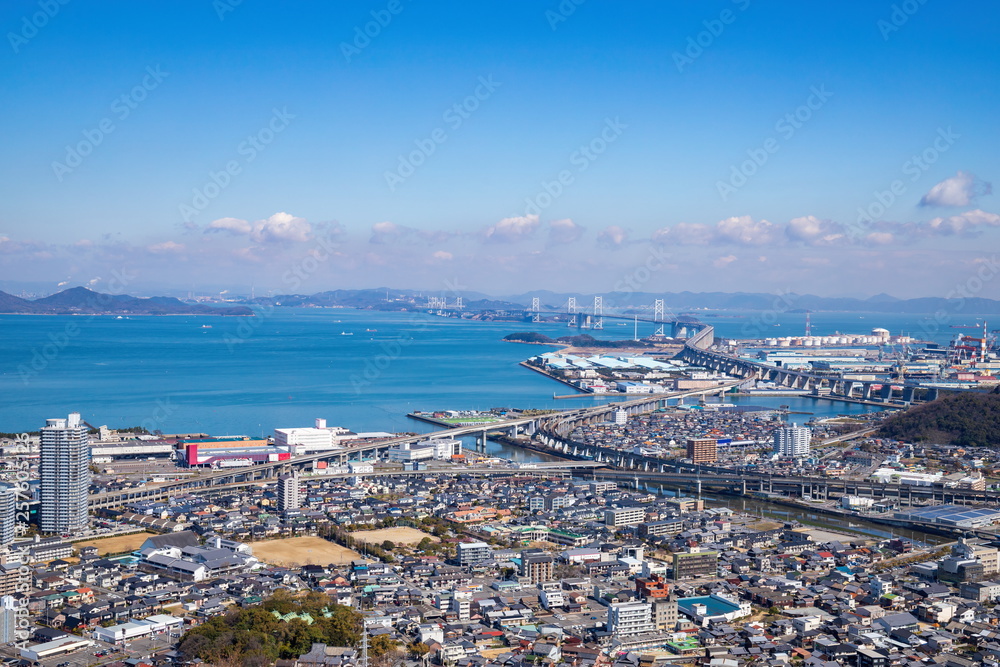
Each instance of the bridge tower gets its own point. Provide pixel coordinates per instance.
(458, 303)
(571, 310)
(598, 322)
(658, 316)
(536, 308)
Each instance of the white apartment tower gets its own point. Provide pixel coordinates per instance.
(64, 469)
(288, 492)
(792, 441)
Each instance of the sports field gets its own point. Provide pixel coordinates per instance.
(398, 535)
(293, 551)
(117, 544)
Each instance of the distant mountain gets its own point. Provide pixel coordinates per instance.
(80, 300)
(383, 299)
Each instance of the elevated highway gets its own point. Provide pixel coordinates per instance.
(697, 353)
(250, 475)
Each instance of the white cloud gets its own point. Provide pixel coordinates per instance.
(959, 190)
(279, 228)
(564, 231)
(231, 225)
(964, 223)
(812, 231)
(510, 230)
(385, 232)
(442, 256)
(723, 262)
(165, 248)
(612, 236)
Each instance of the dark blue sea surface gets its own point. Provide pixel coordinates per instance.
(360, 369)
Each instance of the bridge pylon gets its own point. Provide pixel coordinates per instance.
(598, 322)
(571, 310)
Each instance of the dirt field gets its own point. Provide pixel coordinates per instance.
(117, 544)
(399, 535)
(302, 551)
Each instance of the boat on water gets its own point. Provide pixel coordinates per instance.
(346, 333)
(372, 330)
(206, 326)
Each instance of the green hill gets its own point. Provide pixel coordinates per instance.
(967, 419)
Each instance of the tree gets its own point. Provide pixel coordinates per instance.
(388, 545)
(381, 645)
(418, 649)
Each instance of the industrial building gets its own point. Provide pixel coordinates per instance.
(441, 449)
(231, 452)
(307, 440)
(953, 516)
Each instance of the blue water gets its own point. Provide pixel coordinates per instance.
(289, 366)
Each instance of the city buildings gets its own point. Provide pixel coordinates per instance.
(702, 450)
(64, 471)
(792, 441)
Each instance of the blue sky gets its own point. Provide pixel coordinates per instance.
(755, 147)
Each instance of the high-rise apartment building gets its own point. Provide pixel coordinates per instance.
(64, 472)
(702, 450)
(288, 492)
(8, 516)
(792, 441)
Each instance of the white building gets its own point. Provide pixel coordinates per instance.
(621, 417)
(305, 440)
(630, 618)
(64, 470)
(288, 492)
(8, 513)
(792, 441)
(438, 448)
(624, 516)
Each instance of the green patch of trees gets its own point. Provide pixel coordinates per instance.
(965, 419)
(253, 637)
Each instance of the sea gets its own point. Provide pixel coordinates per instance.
(361, 369)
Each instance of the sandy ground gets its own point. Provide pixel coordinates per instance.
(399, 535)
(117, 544)
(302, 551)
